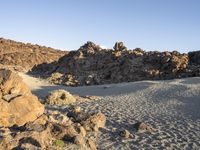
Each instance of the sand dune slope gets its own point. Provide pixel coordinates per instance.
(172, 107)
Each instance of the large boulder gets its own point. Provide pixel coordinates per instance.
(60, 97)
(119, 46)
(89, 48)
(17, 105)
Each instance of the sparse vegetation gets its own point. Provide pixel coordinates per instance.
(59, 143)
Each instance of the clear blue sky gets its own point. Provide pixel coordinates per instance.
(68, 24)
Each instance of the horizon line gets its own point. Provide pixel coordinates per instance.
(102, 46)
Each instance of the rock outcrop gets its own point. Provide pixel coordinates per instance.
(17, 105)
(23, 57)
(60, 97)
(63, 97)
(92, 65)
(53, 130)
(119, 46)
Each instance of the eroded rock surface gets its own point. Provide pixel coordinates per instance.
(17, 105)
(22, 57)
(92, 65)
(53, 130)
(60, 97)
(63, 97)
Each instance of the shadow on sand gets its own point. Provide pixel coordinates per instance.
(98, 90)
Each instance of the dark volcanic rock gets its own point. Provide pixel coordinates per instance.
(194, 57)
(119, 46)
(92, 65)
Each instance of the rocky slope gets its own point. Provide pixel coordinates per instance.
(23, 57)
(91, 64)
(27, 124)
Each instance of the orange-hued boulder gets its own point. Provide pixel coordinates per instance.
(17, 104)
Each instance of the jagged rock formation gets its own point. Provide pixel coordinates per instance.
(93, 65)
(17, 105)
(119, 46)
(23, 57)
(55, 130)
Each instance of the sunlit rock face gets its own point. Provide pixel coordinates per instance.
(17, 105)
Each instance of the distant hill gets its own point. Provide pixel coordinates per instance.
(23, 56)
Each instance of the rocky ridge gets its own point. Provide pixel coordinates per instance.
(22, 57)
(92, 65)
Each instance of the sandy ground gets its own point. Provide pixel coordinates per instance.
(172, 107)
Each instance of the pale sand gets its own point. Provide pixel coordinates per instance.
(172, 107)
